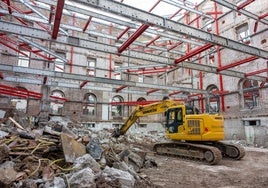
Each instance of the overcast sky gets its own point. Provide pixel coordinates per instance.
(163, 9)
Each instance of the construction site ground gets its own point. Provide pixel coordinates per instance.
(171, 172)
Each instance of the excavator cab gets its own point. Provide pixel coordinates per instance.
(174, 119)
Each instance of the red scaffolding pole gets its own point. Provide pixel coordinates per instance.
(123, 32)
(57, 20)
(256, 72)
(133, 37)
(87, 23)
(193, 53)
(219, 58)
(259, 18)
(120, 88)
(152, 91)
(246, 3)
(234, 64)
(83, 84)
(175, 93)
(152, 41)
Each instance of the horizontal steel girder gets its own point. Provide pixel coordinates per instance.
(175, 27)
(76, 77)
(8, 27)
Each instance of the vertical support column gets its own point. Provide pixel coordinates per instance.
(44, 111)
(72, 48)
(201, 98)
(110, 56)
(219, 59)
(188, 46)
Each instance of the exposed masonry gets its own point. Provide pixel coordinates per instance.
(91, 71)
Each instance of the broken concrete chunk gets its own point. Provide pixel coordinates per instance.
(57, 182)
(149, 163)
(67, 131)
(48, 130)
(2, 114)
(94, 149)
(7, 173)
(83, 178)
(4, 150)
(71, 148)
(3, 134)
(24, 134)
(132, 159)
(29, 183)
(87, 161)
(125, 178)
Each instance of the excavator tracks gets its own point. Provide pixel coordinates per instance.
(208, 154)
(229, 150)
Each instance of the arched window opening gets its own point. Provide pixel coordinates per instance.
(250, 93)
(213, 102)
(117, 106)
(56, 106)
(90, 104)
(141, 100)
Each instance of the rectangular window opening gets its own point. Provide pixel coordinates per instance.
(23, 61)
(251, 122)
(242, 33)
(91, 67)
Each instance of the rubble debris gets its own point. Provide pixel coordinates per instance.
(94, 149)
(87, 161)
(16, 123)
(7, 173)
(83, 178)
(71, 148)
(124, 178)
(2, 114)
(24, 134)
(57, 182)
(3, 134)
(64, 154)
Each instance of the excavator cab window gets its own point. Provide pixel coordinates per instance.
(174, 119)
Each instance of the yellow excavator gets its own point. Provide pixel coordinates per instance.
(193, 135)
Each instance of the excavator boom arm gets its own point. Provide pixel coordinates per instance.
(146, 110)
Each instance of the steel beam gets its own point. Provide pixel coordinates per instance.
(42, 48)
(175, 93)
(175, 27)
(133, 37)
(9, 6)
(244, 12)
(77, 77)
(152, 91)
(240, 62)
(120, 88)
(116, 21)
(193, 53)
(57, 20)
(8, 27)
(21, 30)
(123, 32)
(152, 41)
(256, 72)
(246, 3)
(87, 23)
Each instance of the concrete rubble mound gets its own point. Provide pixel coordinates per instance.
(65, 154)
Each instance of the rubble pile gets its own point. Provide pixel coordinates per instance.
(65, 154)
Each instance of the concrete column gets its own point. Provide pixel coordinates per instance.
(45, 105)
